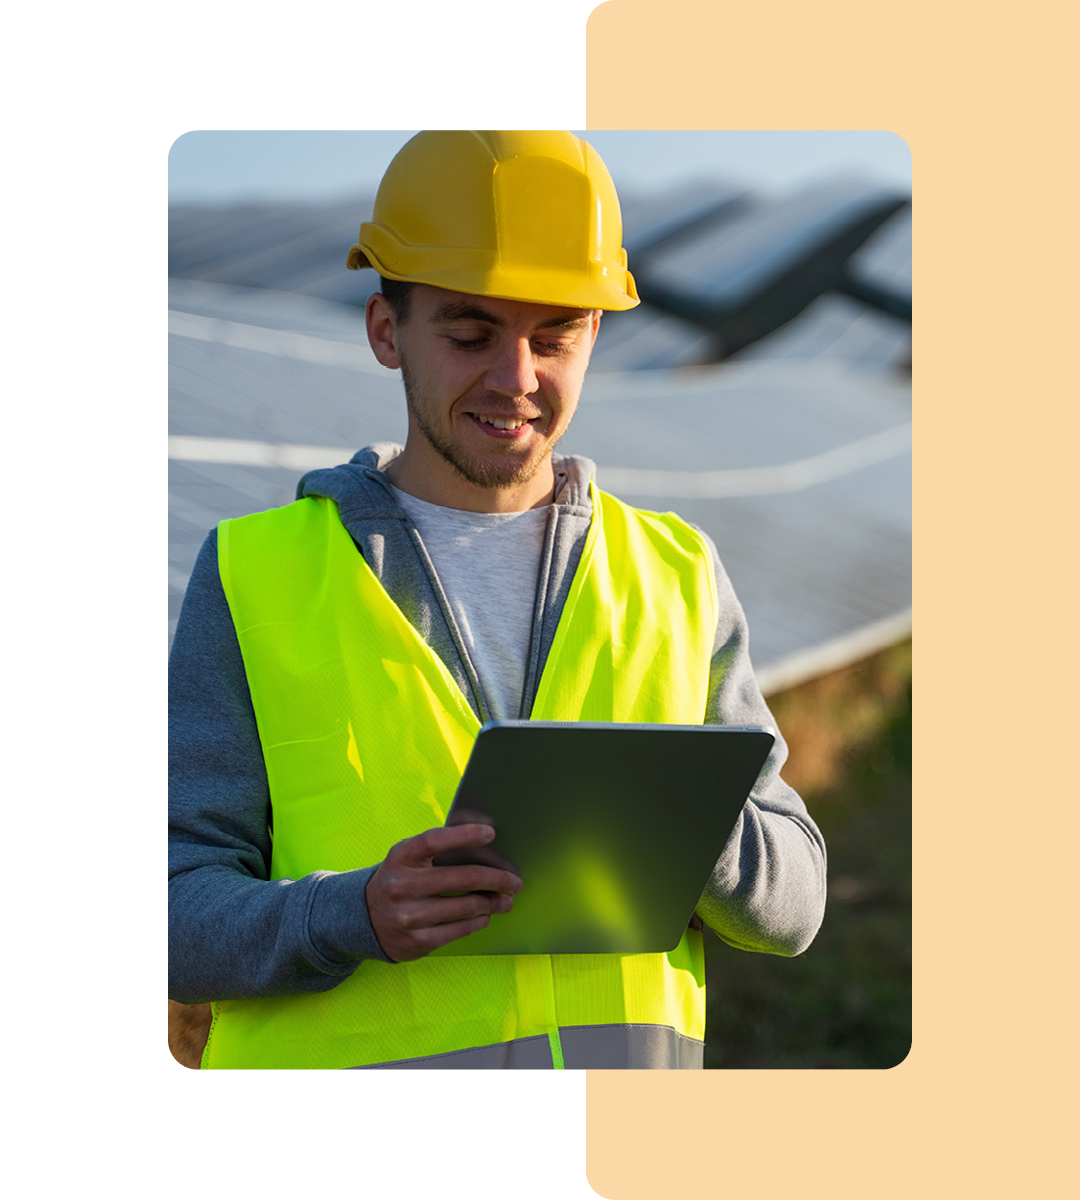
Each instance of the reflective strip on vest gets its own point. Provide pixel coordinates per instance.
(597, 1047)
(365, 736)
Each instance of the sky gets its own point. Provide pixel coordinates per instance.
(215, 166)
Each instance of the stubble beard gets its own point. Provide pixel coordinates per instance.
(487, 473)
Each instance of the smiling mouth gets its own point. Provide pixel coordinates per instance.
(504, 426)
(504, 423)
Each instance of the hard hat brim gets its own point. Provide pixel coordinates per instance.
(610, 288)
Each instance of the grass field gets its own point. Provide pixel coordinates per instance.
(845, 1002)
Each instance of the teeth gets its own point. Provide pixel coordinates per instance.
(503, 423)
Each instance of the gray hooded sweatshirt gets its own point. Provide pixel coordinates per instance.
(236, 933)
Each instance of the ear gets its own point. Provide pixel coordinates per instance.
(382, 331)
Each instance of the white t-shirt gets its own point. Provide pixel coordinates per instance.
(488, 565)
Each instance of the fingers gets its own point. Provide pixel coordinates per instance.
(417, 853)
(423, 847)
(452, 910)
(423, 941)
(415, 907)
(409, 929)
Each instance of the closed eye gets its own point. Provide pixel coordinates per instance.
(545, 348)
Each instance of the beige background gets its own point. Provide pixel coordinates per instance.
(983, 1105)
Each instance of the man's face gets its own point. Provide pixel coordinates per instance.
(491, 386)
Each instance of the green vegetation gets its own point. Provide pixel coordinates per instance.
(845, 1002)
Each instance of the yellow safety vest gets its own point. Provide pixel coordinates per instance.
(365, 736)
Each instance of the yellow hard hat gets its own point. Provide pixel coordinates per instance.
(524, 215)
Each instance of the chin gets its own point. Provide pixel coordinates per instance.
(507, 468)
(496, 473)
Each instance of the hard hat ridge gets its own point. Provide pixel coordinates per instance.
(521, 215)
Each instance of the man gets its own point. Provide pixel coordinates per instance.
(334, 660)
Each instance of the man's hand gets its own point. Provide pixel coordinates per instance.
(407, 899)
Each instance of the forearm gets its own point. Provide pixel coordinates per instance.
(233, 937)
(767, 890)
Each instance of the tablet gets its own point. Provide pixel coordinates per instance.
(614, 829)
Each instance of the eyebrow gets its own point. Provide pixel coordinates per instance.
(462, 310)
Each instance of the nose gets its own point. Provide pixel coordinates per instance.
(512, 372)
